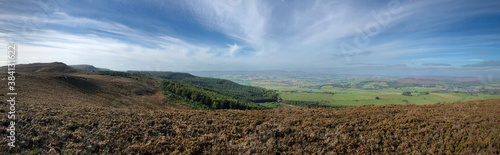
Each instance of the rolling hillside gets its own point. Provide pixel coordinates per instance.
(57, 83)
(121, 89)
(224, 94)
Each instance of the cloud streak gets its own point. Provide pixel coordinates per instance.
(487, 63)
(435, 64)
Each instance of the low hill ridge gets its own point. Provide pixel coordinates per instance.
(54, 67)
(85, 67)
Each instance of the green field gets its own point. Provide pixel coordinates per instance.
(356, 97)
(296, 89)
(367, 98)
(306, 96)
(420, 89)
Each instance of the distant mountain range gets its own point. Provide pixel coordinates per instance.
(445, 78)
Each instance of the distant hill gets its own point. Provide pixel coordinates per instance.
(55, 67)
(88, 68)
(445, 78)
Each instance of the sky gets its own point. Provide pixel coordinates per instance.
(372, 37)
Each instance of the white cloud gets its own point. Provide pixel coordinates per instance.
(173, 54)
(233, 49)
(61, 18)
(243, 20)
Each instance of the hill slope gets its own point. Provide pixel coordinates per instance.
(88, 68)
(455, 128)
(215, 93)
(224, 87)
(57, 83)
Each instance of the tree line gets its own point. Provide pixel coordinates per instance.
(220, 86)
(208, 98)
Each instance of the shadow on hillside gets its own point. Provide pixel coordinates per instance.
(80, 83)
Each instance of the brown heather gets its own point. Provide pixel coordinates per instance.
(95, 114)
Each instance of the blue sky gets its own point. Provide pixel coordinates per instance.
(382, 37)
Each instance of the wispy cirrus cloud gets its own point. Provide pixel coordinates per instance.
(487, 63)
(244, 20)
(481, 52)
(169, 54)
(435, 64)
(353, 54)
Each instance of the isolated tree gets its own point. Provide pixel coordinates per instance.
(407, 93)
